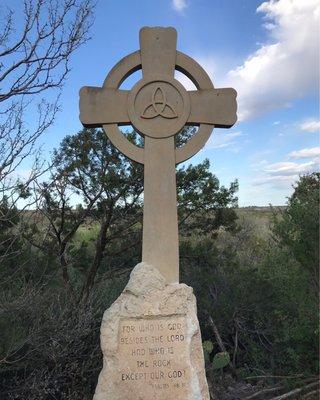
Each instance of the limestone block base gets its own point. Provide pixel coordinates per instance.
(151, 342)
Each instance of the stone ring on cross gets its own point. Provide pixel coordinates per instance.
(158, 107)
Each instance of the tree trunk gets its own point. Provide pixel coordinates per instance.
(65, 274)
(98, 256)
(220, 342)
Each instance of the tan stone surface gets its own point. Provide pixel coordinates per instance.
(158, 107)
(160, 225)
(151, 342)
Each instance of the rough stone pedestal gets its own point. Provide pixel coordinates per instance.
(151, 342)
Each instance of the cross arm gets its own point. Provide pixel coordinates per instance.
(100, 106)
(214, 107)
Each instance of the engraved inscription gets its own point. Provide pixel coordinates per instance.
(154, 352)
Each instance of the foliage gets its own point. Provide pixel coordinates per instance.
(254, 297)
(37, 42)
(203, 205)
(297, 227)
(220, 360)
(254, 304)
(54, 347)
(207, 346)
(109, 187)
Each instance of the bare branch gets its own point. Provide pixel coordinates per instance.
(40, 58)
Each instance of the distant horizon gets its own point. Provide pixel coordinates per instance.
(238, 207)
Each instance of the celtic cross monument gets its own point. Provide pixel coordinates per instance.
(158, 107)
(150, 336)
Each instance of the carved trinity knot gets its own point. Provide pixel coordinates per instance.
(159, 106)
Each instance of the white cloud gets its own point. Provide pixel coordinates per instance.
(179, 5)
(220, 139)
(306, 153)
(282, 175)
(310, 126)
(288, 168)
(277, 182)
(285, 69)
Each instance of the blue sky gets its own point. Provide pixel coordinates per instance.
(268, 51)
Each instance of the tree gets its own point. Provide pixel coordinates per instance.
(253, 301)
(109, 187)
(297, 228)
(34, 60)
(36, 45)
(88, 169)
(204, 205)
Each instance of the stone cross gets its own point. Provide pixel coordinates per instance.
(158, 107)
